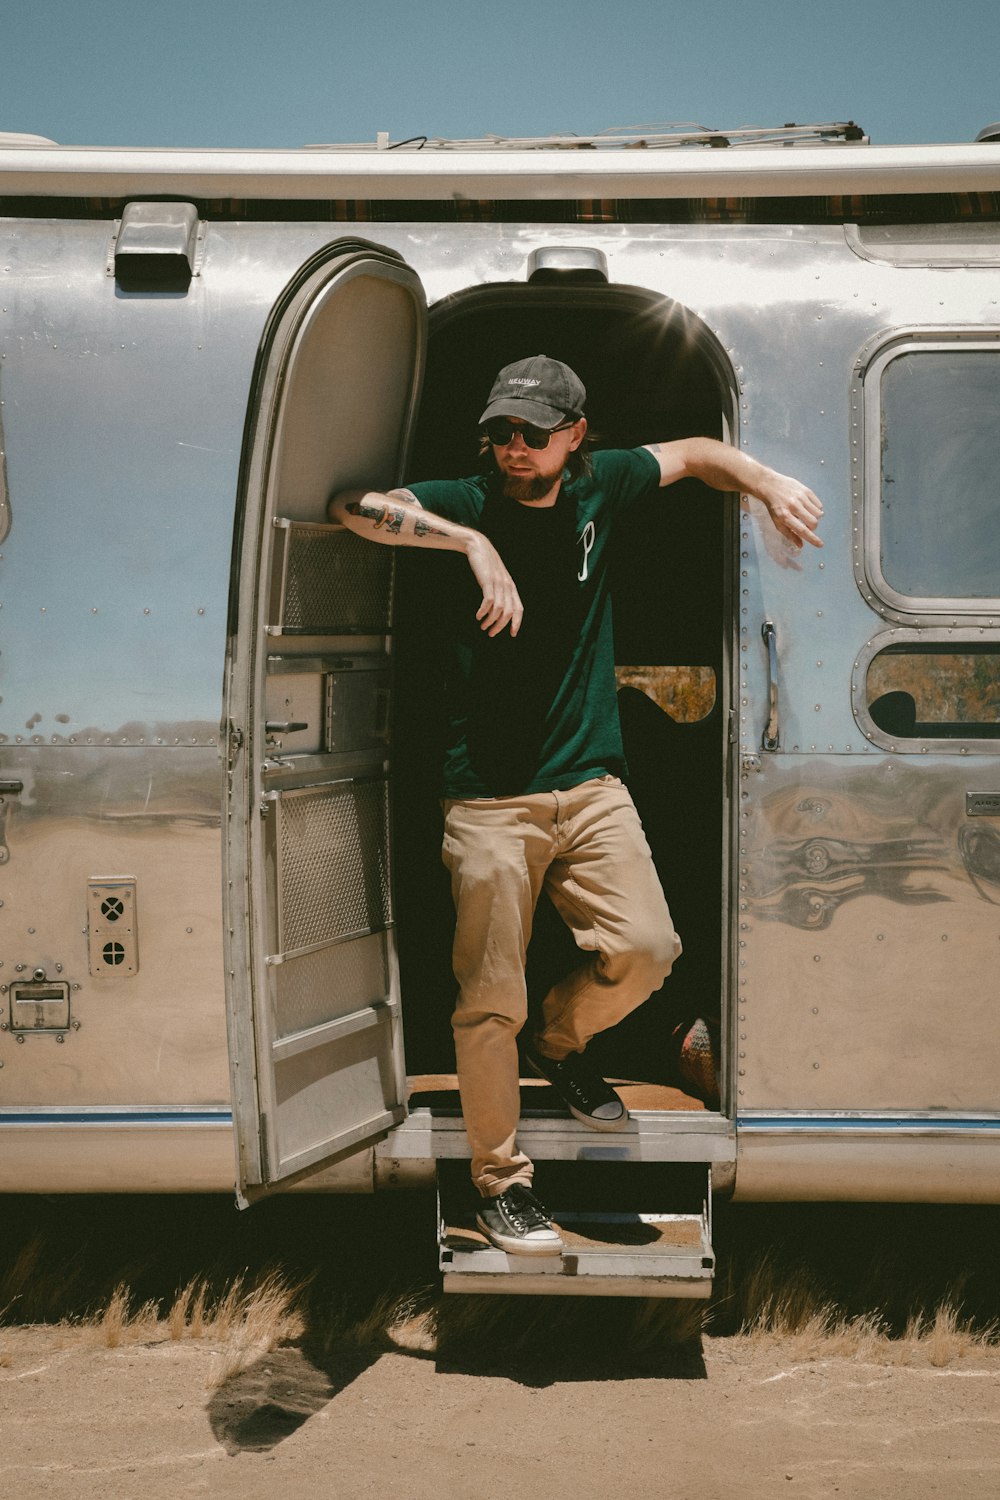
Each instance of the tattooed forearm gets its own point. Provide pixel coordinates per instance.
(392, 517)
(424, 528)
(397, 519)
(368, 512)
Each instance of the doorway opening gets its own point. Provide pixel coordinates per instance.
(653, 372)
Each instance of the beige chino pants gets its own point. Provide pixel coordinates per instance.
(586, 847)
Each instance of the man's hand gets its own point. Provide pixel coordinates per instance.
(501, 604)
(399, 520)
(793, 508)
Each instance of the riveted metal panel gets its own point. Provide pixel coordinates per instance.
(869, 934)
(146, 817)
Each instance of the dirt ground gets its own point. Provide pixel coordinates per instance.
(154, 1347)
(728, 1416)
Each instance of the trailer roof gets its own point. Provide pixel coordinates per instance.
(679, 165)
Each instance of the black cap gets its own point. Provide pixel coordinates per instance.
(539, 390)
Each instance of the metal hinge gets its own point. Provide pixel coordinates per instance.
(234, 742)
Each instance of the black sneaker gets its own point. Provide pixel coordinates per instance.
(516, 1221)
(585, 1094)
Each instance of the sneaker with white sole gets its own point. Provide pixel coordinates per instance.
(585, 1094)
(516, 1221)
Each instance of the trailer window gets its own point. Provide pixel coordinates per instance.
(934, 691)
(939, 475)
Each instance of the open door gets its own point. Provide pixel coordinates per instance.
(313, 1011)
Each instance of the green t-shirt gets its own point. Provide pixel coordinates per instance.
(538, 712)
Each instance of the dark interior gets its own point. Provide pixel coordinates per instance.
(651, 373)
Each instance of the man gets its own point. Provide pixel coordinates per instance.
(532, 789)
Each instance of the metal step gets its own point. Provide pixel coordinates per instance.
(611, 1250)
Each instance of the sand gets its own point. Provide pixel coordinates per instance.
(747, 1417)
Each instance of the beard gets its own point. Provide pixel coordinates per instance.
(529, 487)
(516, 487)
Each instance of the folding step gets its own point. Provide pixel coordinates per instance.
(628, 1230)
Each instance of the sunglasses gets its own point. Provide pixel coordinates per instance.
(500, 432)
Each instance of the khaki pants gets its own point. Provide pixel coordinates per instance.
(587, 848)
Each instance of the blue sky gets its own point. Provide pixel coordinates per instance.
(247, 73)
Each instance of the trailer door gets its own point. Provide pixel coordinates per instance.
(314, 1017)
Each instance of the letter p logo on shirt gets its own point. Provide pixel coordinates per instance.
(586, 540)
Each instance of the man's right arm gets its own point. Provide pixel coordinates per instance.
(399, 520)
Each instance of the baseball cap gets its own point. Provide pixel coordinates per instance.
(539, 390)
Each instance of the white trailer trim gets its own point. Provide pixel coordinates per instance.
(54, 172)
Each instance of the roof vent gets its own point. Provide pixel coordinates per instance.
(155, 247)
(567, 263)
(989, 133)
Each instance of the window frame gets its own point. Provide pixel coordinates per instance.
(866, 450)
(928, 639)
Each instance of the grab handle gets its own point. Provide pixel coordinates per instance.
(772, 731)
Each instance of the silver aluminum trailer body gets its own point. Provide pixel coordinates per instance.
(168, 457)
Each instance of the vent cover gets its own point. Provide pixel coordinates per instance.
(114, 937)
(326, 580)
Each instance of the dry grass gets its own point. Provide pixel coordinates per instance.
(400, 1322)
(942, 1340)
(949, 1337)
(349, 1279)
(247, 1321)
(250, 1319)
(19, 1275)
(250, 1324)
(793, 1307)
(120, 1323)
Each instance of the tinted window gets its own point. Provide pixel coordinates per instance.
(940, 474)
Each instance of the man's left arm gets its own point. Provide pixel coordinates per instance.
(793, 508)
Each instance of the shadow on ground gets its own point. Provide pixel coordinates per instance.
(265, 1403)
(535, 1342)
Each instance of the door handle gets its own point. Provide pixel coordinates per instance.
(772, 731)
(283, 726)
(11, 788)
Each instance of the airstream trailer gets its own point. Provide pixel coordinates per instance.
(221, 897)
